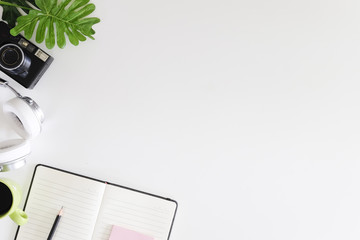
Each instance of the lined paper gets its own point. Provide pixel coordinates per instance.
(136, 211)
(91, 208)
(52, 189)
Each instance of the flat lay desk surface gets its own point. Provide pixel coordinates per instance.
(245, 112)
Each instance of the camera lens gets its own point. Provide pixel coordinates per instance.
(12, 58)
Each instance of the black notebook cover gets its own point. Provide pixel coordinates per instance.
(118, 205)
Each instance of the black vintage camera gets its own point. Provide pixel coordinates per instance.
(20, 59)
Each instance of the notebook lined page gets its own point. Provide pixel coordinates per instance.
(52, 189)
(136, 211)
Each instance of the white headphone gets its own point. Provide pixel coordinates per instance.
(25, 117)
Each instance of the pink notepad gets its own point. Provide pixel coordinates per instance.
(119, 233)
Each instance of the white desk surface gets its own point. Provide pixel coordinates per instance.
(245, 112)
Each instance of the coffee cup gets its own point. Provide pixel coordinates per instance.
(10, 197)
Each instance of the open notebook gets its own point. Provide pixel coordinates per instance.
(91, 208)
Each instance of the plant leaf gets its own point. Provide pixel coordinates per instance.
(10, 13)
(50, 35)
(55, 19)
(60, 34)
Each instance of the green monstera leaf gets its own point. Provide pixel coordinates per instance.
(54, 20)
(10, 13)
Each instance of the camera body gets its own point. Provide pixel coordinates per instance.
(20, 59)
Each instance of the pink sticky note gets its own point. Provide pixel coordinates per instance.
(119, 233)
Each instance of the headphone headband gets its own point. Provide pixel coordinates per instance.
(25, 117)
(34, 106)
(4, 83)
(13, 154)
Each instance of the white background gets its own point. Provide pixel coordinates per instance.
(245, 112)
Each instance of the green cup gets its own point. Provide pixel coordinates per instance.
(10, 197)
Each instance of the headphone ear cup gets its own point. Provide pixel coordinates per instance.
(13, 153)
(20, 115)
